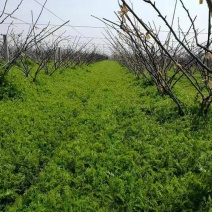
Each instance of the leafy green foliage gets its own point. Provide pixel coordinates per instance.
(95, 139)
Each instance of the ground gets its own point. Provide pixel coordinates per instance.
(96, 139)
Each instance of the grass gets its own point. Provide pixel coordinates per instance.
(96, 139)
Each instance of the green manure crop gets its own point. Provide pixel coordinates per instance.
(96, 139)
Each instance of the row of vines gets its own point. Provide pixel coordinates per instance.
(41, 50)
(137, 44)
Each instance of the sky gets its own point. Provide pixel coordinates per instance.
(82, 25)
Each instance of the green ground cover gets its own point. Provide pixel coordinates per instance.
(96, 139)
